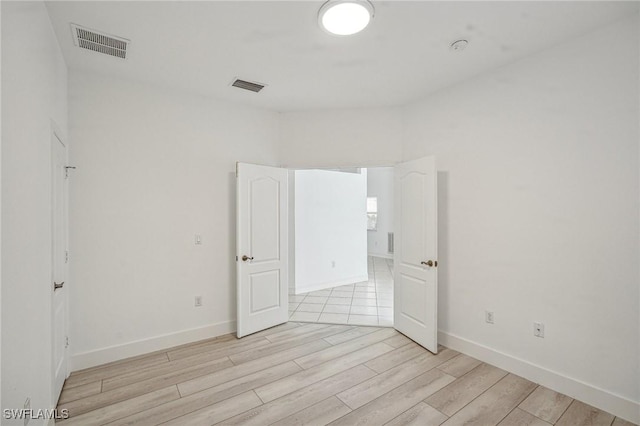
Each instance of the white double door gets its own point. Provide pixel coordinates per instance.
(262, 249)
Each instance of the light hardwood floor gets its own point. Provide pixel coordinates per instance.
(316, 374)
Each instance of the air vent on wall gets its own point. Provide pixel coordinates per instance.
(248, 85)
(99, 42)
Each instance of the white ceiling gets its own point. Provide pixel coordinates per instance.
(402, 56)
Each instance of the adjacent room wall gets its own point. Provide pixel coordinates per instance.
(380, 185)
(538, 214)
(34, 92)
(330, 229)
(154, 168)
(341, 138)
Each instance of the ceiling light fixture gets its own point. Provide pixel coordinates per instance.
(345, 17)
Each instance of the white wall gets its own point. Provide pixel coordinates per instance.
(330, 229)
(538, 210)
(154, 168)
(350, 138)
(0, 228)
(34, 92)
(380, 185)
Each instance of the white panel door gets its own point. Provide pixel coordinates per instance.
(262, 247)
(59, 273)
(416, 249)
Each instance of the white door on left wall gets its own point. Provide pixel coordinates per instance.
(262, 247)
(59, 288)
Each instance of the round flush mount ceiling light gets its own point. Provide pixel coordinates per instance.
(345, 17)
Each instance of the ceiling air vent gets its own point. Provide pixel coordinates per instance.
(248, 85)
(99, 42)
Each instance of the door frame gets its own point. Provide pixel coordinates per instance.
(292, 168)
(343, 166)
(57, 136)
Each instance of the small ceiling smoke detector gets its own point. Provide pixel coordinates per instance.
(248, 85)
(459, 45)
(345, 17)
(99, 42)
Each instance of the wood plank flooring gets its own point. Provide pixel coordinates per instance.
(314, 374)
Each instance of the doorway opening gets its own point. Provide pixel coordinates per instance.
(341, 264)
(268, 234)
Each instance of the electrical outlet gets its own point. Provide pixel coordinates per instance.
(27, 411)
(488, 316)
(538, 329)
(197, 239)
(198, 301)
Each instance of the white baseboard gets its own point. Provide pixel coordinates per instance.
(599, 398)
(330, 284)
(384, 256)
(114, 353)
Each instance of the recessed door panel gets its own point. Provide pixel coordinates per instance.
(265, 291)
(264, 222)
(412, 302)
(412, 219)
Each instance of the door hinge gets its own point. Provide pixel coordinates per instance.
(66, 256)
(66, 341)
(66, 171)
(236, 169)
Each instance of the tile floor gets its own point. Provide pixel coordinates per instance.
(363, 303)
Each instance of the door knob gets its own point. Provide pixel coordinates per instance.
(430, 263)
(57, 286)
(245, 258)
